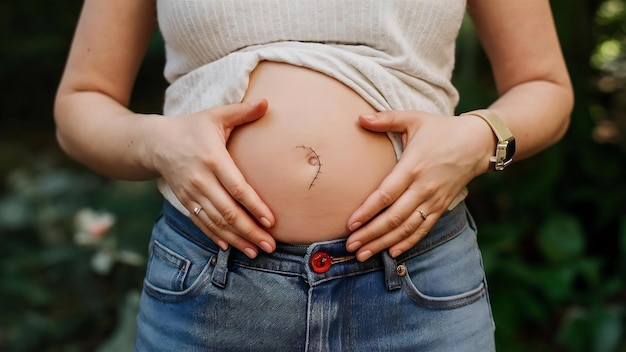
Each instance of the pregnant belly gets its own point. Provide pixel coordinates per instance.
(308, 158)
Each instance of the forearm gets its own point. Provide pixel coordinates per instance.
(537, 113)
(536, 97)
(105, 136)
(93, 124)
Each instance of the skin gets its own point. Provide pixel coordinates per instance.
(535, 103)
(95, 127)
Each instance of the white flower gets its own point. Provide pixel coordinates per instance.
(103, 261)
(129, 258)
(91, 226)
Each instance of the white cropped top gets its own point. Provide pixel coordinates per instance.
(396, 54)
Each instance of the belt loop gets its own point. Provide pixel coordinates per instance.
(221, 268)
(392, 280)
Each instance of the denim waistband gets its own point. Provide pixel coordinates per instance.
(294, 259)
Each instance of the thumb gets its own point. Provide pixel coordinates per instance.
(387, 121)
(238, 114)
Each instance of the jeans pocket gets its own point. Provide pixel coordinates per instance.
(166, 269)
(177, 267)
(448, 276)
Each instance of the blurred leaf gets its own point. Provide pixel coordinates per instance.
(598, 329)
(561, 239)
(555, 282)
(608, 329)
(591, 271)
(23, 289)
(123, 338)
(515, 270)
(15, 213)
(497, 240)
(574, 333)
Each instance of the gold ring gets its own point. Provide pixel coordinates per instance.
(422, 214)
(199, 209)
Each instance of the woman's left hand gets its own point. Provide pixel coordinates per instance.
(442, 154)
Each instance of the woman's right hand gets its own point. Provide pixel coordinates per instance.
(190, 153)
(95, 127)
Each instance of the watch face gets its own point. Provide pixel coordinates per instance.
(510, 149)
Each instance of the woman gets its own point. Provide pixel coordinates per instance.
(321, 132)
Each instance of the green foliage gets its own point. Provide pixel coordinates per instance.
(60, 290)
(552, 229)
(561, 239)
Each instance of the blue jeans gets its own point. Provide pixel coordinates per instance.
(198, 297)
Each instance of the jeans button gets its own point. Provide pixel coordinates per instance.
(321, 262)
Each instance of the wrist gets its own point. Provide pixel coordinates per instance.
(483, 140)
(149, 141)
(505, 142)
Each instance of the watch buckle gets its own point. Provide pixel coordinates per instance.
(499, 159)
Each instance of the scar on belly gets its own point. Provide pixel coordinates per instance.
(314, 160)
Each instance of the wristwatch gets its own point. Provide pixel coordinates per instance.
(505, 147)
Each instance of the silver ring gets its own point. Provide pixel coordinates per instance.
(197, 211)
(422, 214)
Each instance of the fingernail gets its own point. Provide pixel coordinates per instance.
(265, 222)
(363, 256)
(223, 245)
(251, 253)
(266, 247)
(354, 226)
(395, 253)
(353, 246)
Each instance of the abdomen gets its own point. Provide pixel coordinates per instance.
(308, 158)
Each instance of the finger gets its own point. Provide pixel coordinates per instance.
(204, 223)
(228, 213)
(219, 231)
(225, 236)
(386, 194)
(401, 239)
(389, 121)
(393, 217)
(224, 167)
(248, 234)
(233, 115)
(419, 234)
(231, 178)
(202, 220)
(205, 213)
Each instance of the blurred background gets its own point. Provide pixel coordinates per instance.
(552, 229)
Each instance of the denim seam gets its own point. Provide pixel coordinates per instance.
(450, 302)
(441, 240)
(185, 234)
(343, 276)
(271, 271)
(182, 259)
(179, 296)
(180, 228)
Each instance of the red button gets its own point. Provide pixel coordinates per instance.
(321, 262)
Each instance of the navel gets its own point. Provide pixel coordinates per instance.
(314, 160)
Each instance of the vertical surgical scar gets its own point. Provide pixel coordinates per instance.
(314, 160)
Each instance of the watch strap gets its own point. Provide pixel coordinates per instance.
(505, 147)
(495, 122)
